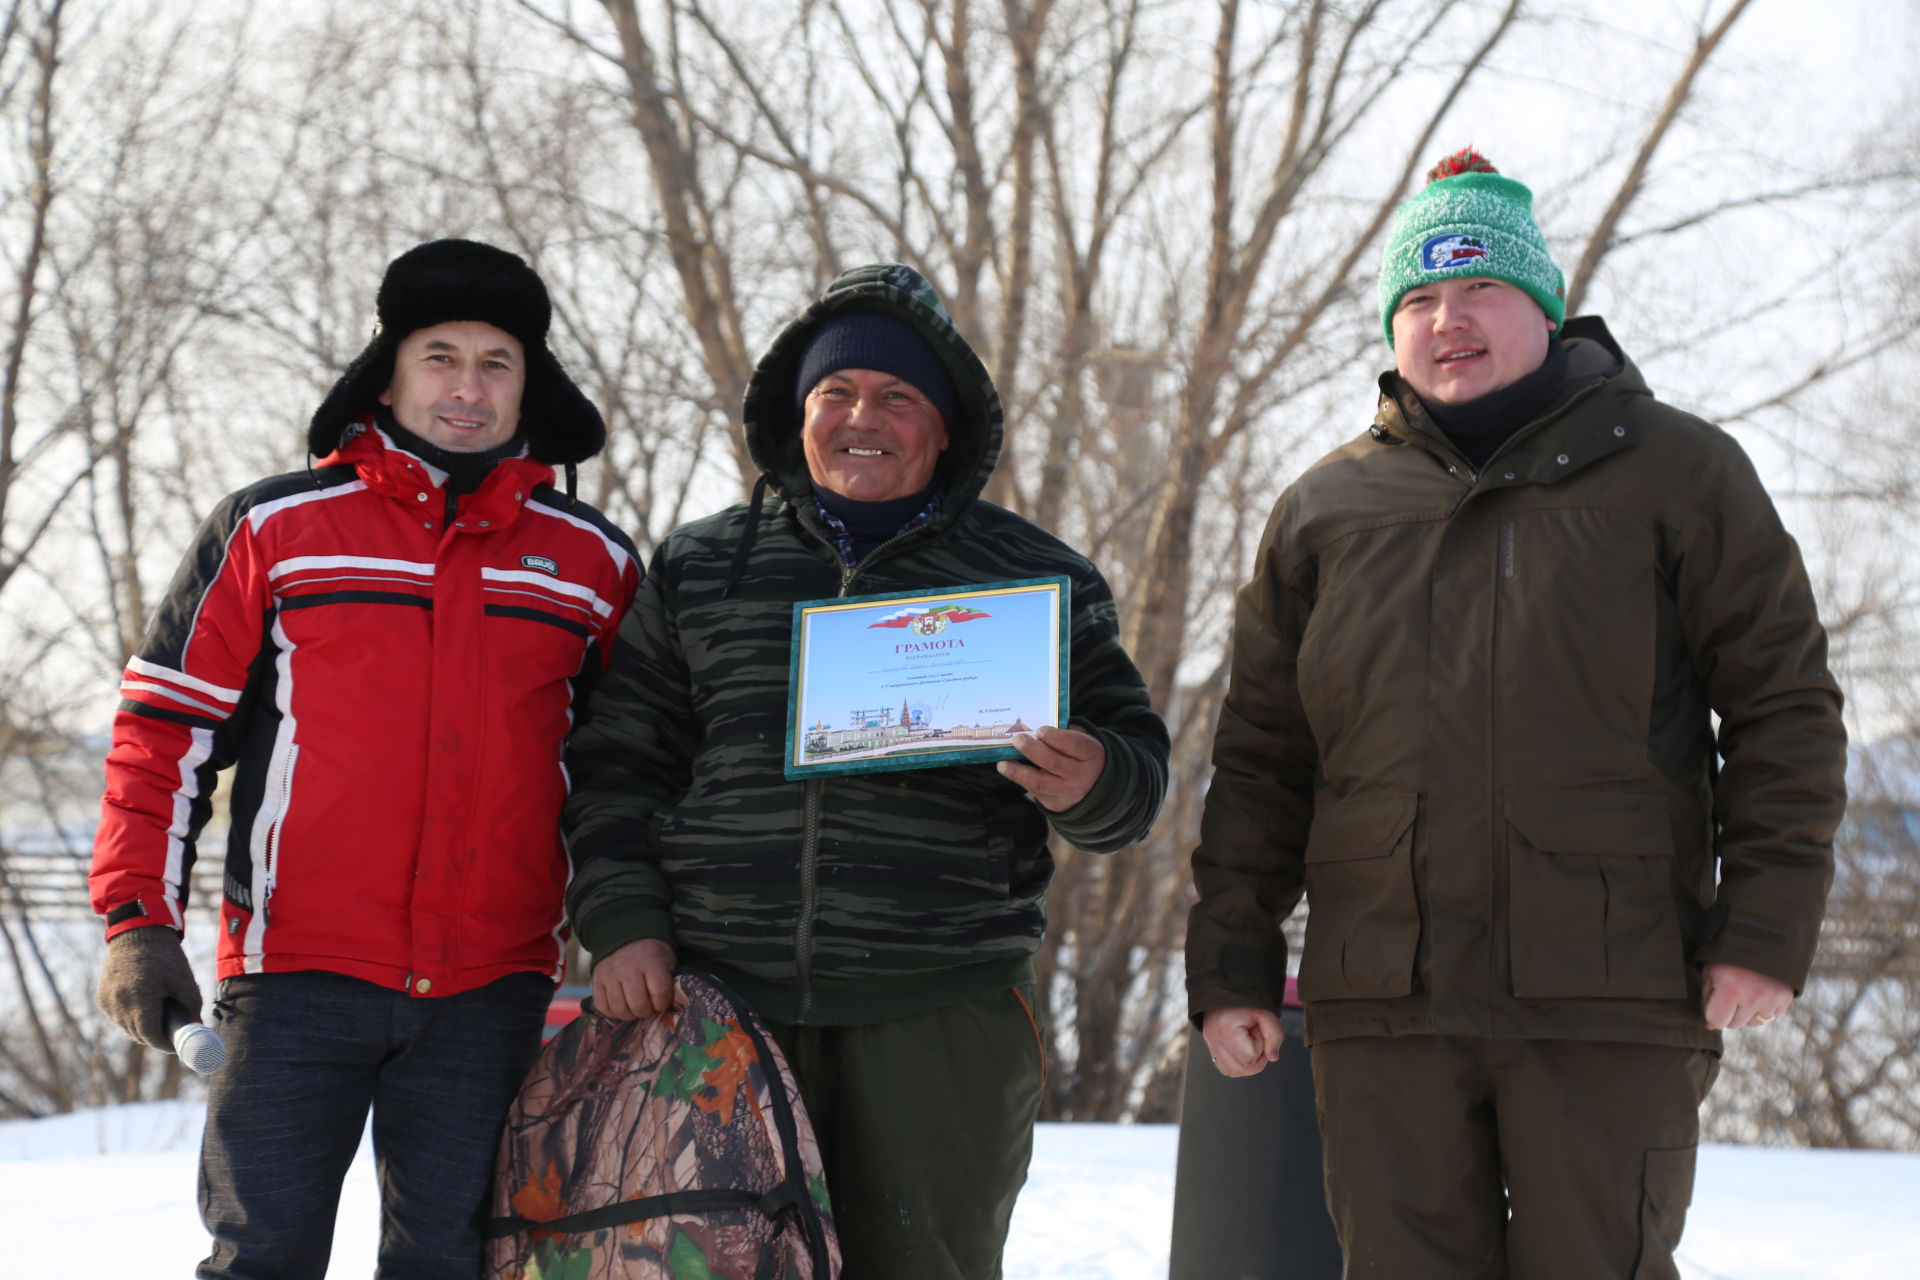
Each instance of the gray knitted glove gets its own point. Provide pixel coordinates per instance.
(144, 967)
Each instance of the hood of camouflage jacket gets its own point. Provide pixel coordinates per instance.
(773, 426)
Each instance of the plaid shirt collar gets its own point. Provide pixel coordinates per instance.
(842, 538)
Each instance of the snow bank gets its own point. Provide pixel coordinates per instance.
(1099, 1204)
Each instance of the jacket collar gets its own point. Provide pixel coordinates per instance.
(394, 473)
(1587, 424)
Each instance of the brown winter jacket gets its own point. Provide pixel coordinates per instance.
(1470, 718)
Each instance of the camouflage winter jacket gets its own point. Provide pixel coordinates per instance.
(847, 899)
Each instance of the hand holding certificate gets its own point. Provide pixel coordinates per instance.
(1062, 766)
(911, 681)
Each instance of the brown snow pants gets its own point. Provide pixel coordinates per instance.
(1453, 1158)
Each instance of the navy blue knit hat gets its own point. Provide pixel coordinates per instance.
(874, 340)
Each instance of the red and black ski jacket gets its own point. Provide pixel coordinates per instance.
(393, 671)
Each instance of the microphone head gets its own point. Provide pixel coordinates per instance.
(200, 1047)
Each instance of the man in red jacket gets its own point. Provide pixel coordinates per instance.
(390, 648)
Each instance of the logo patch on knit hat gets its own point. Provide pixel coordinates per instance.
(1453, 250)
(541, 563)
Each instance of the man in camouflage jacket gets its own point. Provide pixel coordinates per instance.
(884, 923)
(1473, 682)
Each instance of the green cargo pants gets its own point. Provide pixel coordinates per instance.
(1453, 1158)
(926, 1127)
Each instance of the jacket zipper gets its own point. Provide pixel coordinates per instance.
(272, 841)
(810, 829)
(809, 892)
(1503, 570)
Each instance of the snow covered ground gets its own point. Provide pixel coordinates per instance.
(1099, 1205)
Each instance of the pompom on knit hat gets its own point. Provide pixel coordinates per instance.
(1469, 220)
(877, 341)
(444, 280)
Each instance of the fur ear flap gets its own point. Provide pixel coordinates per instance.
(357, 391)
(562, 426)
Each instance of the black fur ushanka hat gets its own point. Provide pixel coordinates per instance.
(444, 280)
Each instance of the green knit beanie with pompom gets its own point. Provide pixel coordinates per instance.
(1468, 221)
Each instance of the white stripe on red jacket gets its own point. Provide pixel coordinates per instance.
(392, 678)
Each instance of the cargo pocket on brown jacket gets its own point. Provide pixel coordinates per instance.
(1363, 922)
(1593, 910)
(1665, 1193)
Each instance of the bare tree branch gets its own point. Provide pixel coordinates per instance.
(1603, 239)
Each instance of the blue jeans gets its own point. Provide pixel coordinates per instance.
(308, 1054)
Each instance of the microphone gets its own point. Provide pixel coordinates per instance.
(198, 1044)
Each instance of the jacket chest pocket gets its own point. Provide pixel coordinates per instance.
(1594, 909)
(1363, 920)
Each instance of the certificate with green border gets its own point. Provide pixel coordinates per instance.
(909, 681)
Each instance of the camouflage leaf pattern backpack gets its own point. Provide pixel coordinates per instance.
(671, 1148)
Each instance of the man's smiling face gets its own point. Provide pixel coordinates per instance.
(870, 436)
(458, 385)
(1456, 340)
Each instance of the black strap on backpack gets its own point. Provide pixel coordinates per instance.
(617, 1215)
(792, 1190)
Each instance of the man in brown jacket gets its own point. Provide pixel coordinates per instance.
(1475, 676)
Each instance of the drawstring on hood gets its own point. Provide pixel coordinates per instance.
(744, 547)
